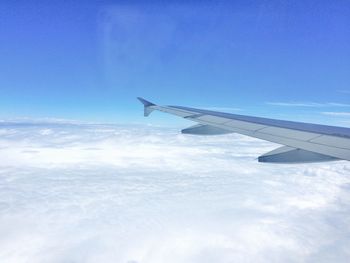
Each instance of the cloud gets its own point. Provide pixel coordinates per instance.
(308, 104)
(344, 91)
(338, 114)
(118, 193)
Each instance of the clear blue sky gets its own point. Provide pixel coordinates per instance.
(89, 59)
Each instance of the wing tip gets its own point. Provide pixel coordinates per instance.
(147, 106)
(146, 103)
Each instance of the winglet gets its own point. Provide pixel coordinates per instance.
(148, 106)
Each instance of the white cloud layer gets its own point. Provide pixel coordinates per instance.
(106, 193)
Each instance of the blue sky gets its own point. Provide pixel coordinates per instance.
(88, 60)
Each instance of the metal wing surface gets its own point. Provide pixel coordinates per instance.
(303, 142)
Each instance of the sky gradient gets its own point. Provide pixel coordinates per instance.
(83, 179)
(89, 60)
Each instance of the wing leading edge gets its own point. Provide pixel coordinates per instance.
(303, 142)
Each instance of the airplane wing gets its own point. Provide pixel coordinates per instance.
(302, 142)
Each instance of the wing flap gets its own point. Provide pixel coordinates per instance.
(245, 125)
(212, 119)
(343, 143)
(288, 133)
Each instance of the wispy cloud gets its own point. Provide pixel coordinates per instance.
(308, 104)
(339, 114)
(344, 91)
